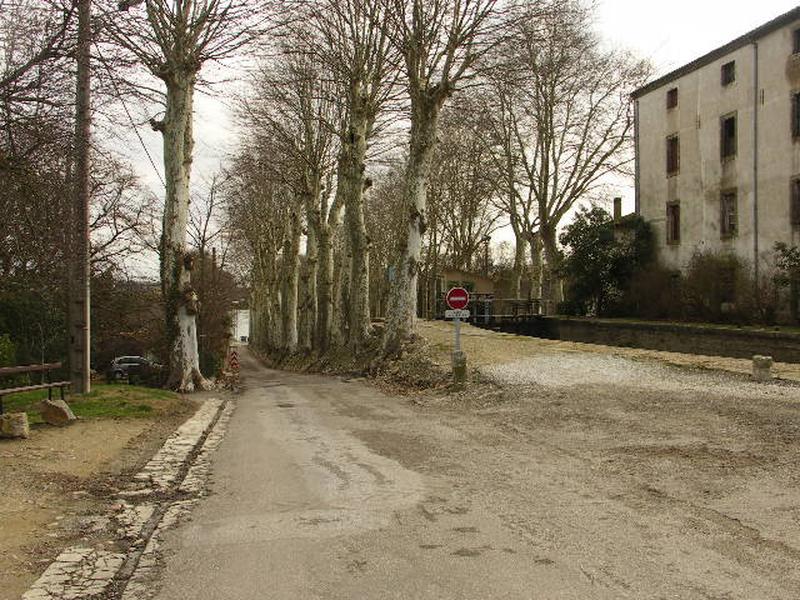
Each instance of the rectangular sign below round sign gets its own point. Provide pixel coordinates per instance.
(456, 314)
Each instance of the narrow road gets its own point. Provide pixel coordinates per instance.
(325, 488)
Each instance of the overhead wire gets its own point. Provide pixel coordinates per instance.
(128, 113)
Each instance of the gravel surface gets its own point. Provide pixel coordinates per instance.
(579, 369)
(488, 348)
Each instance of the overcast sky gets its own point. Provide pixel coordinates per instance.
(673, 32)
(669, 33)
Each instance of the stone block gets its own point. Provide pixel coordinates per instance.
(56, 412)
(14, 425)
(762, 368)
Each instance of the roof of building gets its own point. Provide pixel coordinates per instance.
(748, 38)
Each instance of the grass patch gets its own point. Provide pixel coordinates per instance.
(106, 401)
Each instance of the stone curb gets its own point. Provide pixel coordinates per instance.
(147, 507)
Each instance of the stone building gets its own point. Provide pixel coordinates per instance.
(718, 148)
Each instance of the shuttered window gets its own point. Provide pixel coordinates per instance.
(728, 73)
(673, 155)
(796, 115)
(728, 214)
(794, 208)
(672, 98)
(673, 223)
(727, 140)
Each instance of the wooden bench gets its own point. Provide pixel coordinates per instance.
(45, 369)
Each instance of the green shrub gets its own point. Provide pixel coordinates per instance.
(787, 263)
(8, 352)
(602, 257)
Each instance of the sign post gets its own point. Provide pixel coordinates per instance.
(458, 300)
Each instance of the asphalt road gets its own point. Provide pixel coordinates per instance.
(325, 488)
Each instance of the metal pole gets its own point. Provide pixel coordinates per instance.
(756, 94)
(80, 285)
(458, 335)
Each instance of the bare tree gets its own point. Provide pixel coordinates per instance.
(208, 227)
(174, 39)
(122, 216)
(499, 107)
(36, 45)
(348, 37)
(567, 125)
(294, 102)
(260, 218)
(441, 42)
(462, 186)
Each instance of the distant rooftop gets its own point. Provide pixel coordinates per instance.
(747, 38)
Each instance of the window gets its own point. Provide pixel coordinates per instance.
(673, 155)
(796, 41)
(794, 208)
(727, 141)
(729, 73)
(672, 98)
(796, 114)
(673, 223)
(728, 220)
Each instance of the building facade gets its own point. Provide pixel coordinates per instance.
(718, 149)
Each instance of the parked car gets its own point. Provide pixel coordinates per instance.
(132, 368)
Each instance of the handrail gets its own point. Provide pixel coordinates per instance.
(29, 369)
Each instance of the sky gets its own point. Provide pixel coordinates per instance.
(669, 33)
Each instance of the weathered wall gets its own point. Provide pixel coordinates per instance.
(671, 337)
(703, 174)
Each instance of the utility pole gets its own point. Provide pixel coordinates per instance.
(79, 297)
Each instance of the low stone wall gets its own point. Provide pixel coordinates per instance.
(671, 337)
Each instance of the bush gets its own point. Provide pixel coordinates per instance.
(787, 262)
(719, 287)
(602, 257)
(8, 353)
(710, 286)
(655, 293)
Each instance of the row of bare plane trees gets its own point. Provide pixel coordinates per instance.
(383, 140)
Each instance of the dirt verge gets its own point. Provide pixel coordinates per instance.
(55, 481)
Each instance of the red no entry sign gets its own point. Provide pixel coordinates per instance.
(457, 298)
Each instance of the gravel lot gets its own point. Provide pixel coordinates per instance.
(584, 369)
(487, 348)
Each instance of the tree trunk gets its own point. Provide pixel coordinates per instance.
(181, 300)
(519, 262)
(308, 306)
(276, 311)
(535, 287)
(325, 277)
(351, 171)
(403, 301)
(291, 276)
(341, 286)
(551, 288)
